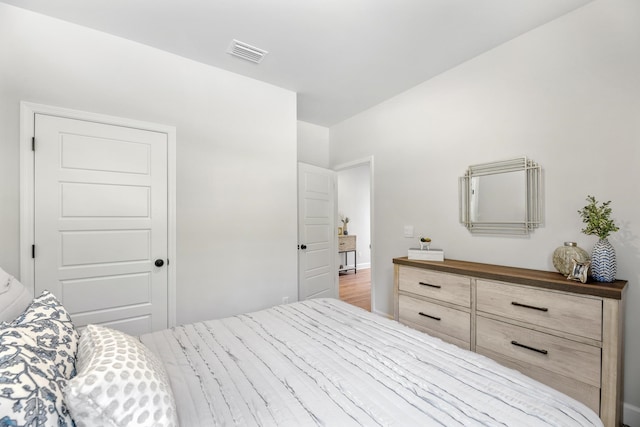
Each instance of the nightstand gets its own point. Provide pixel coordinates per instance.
(347, 244)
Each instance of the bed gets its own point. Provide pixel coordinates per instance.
(317, 362)
(324, 362)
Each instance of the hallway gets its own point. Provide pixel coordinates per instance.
(355, 289)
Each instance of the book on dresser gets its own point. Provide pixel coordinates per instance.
(426, 254)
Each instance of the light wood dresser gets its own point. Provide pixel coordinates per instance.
(565, 334)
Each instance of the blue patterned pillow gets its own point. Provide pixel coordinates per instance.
(37, 357)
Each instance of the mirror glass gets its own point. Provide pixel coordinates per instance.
(501, 197)
(498, 197)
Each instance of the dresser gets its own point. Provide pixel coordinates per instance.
(565, 334)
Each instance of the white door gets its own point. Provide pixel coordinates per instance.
(101, 221)
(317, 243)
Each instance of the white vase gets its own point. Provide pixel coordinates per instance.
(603, 262)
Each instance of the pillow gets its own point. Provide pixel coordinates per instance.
(46, 319)
(14, 297)
(37, 355)
(120, 382)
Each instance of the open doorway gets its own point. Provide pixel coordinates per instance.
(355, 233)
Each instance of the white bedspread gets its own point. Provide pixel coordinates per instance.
(324, 362)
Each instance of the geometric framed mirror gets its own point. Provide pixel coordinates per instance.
(501, 197)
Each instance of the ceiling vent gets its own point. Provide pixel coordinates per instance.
(246, 51)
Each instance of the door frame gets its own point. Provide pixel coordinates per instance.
(353, 164)
(28, 110)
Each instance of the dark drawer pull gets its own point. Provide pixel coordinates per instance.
(529, 306)
(429, 316)
(430, 285)
(516, 343)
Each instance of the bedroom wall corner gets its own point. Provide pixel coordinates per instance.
(313, 144)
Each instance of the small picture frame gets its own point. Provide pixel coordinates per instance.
(339, 231)
(579, 271)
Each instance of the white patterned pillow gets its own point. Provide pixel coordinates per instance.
(37, 355)
(120, 382)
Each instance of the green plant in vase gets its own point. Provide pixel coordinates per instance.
(598, 222)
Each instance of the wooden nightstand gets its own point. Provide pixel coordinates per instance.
(347, 244)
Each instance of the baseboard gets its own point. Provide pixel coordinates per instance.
(382, 313)
(363, 266)
(631, 415)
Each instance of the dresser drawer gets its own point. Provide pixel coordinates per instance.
(442, 322)
(560, 356)
(572, 314)
(440, 286)
(346, 243)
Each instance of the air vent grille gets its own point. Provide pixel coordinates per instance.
(246, 51)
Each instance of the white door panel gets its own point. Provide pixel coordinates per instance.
(317, 209)
(105, 200)
(99, 293)
(317, 233)
(316, 181)
(317, 271)
(316, 286)
(317, 260)
(108, 223)
(121, 152)
(131, 325)
(102, 177)
(99, 154)
(101, 247)
(101, 219)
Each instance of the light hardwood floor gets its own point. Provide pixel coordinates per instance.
(356, 288)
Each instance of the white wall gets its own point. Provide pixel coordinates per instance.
(566, 95)
(354, 202)
(313, 144)
(236, 153)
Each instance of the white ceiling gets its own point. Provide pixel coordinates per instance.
(340, 56)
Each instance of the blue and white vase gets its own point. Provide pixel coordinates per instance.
(603, 262)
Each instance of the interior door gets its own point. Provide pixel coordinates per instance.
(317, 243)
(100, 223)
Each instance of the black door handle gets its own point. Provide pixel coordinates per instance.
(159, 263)
(303, 246)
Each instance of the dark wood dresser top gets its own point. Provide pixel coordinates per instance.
(523, 276)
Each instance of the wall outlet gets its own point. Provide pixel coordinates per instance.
(285, 300)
